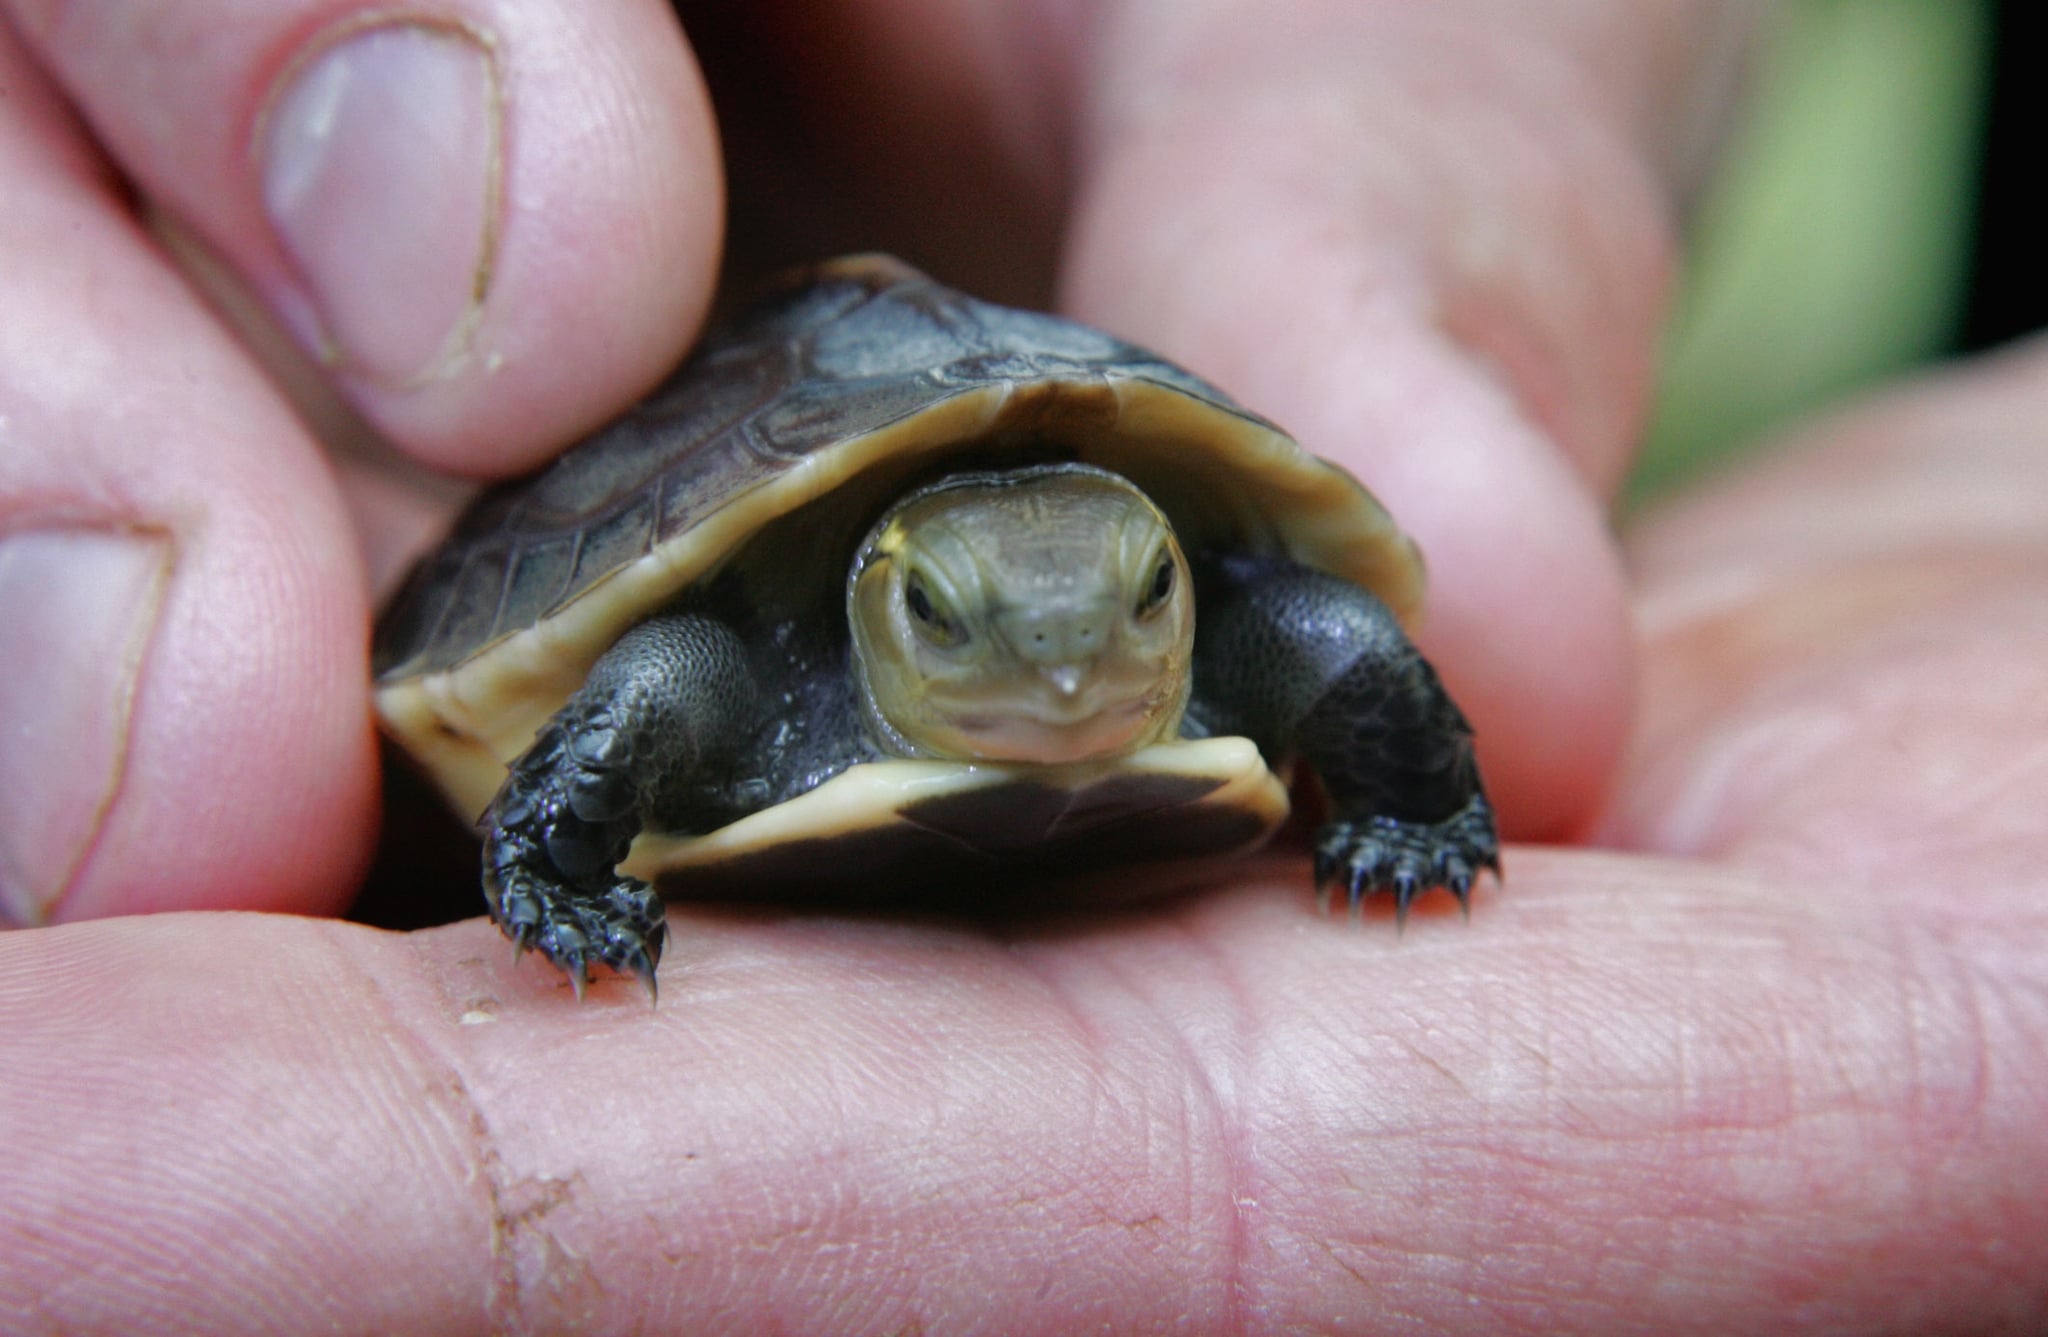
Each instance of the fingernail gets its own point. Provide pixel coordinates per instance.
(381, 155)
(77, 610)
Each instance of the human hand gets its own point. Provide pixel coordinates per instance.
(1484, 382)
(1777, 1069)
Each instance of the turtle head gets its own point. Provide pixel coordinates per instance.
(1035, 615)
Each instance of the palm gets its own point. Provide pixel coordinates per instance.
(1663, 1090)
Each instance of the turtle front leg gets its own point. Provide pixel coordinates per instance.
(669, 702)
(1310, 665)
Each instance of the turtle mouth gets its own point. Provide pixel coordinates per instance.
(1052, 731)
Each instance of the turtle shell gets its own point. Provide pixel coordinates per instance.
(768, 452)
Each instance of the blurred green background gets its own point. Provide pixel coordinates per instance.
(1834, 246)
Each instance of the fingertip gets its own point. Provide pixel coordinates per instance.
(81, 606)
(1526, 615)
(561, 226)
(207, 736)
(188, 726)
(1528, 622)
(492, 227)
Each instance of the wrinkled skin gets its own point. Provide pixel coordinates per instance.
(1770, 1057)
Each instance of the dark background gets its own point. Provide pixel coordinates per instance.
(2007, 296)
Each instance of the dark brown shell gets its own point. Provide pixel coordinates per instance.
(852, 376)
(857, 346)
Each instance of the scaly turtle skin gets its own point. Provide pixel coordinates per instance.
(892, 593)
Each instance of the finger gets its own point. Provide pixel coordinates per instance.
(496, 223)
(835, 1123)
(1847, 653)
(181, 607)
(1418, 238)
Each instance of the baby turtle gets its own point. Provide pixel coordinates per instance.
(891, 592)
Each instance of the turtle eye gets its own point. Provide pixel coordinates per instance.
(934, 625)
(1161, 586)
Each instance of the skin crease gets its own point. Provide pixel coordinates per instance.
(1770, 1061)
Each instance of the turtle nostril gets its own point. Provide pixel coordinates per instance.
(1057, 635)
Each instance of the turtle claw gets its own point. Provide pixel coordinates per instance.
(622, 926)
(618, 921)
(1382, 853)
(1406, 889)
(548, 875)
(640, 964)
